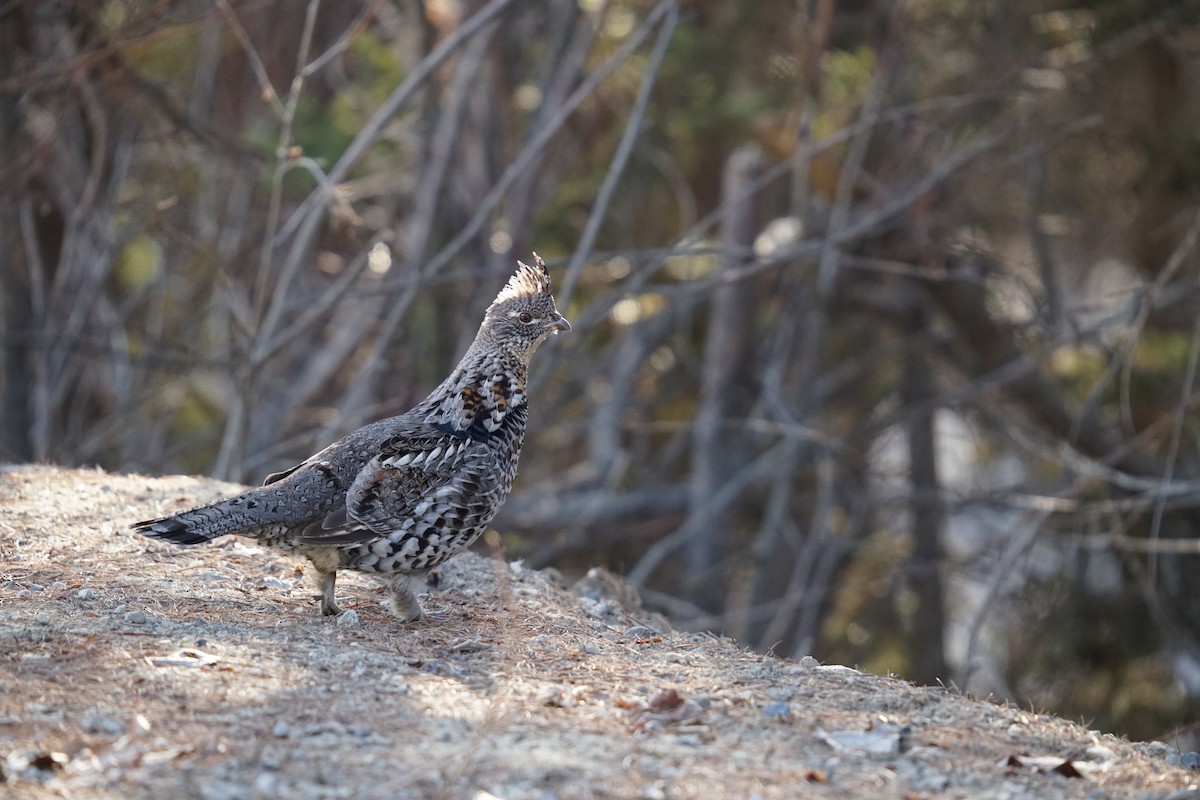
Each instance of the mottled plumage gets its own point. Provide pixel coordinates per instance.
(400, 496)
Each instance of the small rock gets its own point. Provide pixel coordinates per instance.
(837, 669)
(276, 583)
(85, 594)
(24, 594)
(1186, 760)
(777, 710)
(927, 779)
(1100, 753)
(600, 609)
(702, 700)
(266, 784)
(136, 617)
(58, 586)
(281, 730)
(348, 619)
(102, 724)
(640, 632)
(219, 789)
(1157, 749)
(42, 618)
(589, 649)
(553, 577)
(654, 791)
(808, 662)
(35, 587)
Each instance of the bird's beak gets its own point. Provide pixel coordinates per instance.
(560, 325)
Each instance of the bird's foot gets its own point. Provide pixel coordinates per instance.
(406, 608)
(329, 608)
(402, 598)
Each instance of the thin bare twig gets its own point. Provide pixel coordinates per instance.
(304, 220)
(256, 64)
(616, 166)
(1172, 455)
(536, 145)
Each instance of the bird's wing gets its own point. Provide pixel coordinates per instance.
(278, 476)
(417, 479)
(317, 476)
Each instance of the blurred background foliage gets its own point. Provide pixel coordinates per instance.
(886, 330)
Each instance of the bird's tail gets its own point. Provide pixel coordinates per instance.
(203, 524)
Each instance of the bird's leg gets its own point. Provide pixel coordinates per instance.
(403, 601)
(326, 581)
(325, 566)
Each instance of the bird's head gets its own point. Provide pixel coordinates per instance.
(523, 315)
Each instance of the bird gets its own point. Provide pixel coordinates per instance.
(401, 495)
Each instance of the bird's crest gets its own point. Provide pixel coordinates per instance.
(527, 281)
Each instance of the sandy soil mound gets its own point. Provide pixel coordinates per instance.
(135, 669)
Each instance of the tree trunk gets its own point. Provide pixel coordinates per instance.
(927, 511)
(728, 351)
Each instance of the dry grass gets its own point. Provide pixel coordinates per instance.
(135, 669)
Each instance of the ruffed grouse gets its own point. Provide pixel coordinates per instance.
(402, 495)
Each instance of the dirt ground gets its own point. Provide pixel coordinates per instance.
(135, 669)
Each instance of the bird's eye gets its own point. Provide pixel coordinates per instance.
(525, 317)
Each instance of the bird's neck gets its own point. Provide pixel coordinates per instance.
(481, 392)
